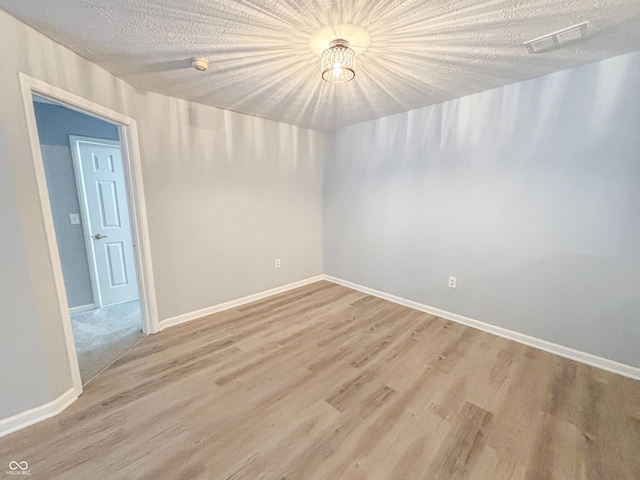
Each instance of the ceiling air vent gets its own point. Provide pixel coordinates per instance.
(556, 39)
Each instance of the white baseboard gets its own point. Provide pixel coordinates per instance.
(82, 308)
(37, 414)
(187, 317)
(577, 355)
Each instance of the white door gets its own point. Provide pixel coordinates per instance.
(103, 198)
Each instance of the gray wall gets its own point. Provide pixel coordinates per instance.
(226, 194)
(529, 194)
(55, 124)
(22, 343)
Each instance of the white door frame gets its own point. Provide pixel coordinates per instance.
(128, 131)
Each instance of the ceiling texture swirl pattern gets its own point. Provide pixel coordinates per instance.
(265, 54)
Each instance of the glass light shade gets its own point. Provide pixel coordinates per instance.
(338, 62)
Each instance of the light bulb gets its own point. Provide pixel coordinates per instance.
(337, 70)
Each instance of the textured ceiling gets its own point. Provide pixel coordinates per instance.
(264, 54)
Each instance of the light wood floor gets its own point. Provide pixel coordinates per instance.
(327, 383)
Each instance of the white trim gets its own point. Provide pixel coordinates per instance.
(187, 317)
(37, 414)
(50, 232)
(128, 131)
(139, 226)
(146, 286)
(82, 308)
(577, 355)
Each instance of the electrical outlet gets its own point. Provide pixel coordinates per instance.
(453, 282)
(277, 263)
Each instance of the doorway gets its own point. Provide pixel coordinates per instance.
(85, 177)
(107, 290)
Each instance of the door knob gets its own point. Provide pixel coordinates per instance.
(99, 236)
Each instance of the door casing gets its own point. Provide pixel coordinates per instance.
(128, 133)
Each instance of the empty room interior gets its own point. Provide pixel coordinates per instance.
(320, 240)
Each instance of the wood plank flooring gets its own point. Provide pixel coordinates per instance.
(324, 382)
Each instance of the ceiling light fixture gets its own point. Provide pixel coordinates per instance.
(338, 62)
(200, 63)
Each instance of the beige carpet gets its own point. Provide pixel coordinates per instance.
(102, 335)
